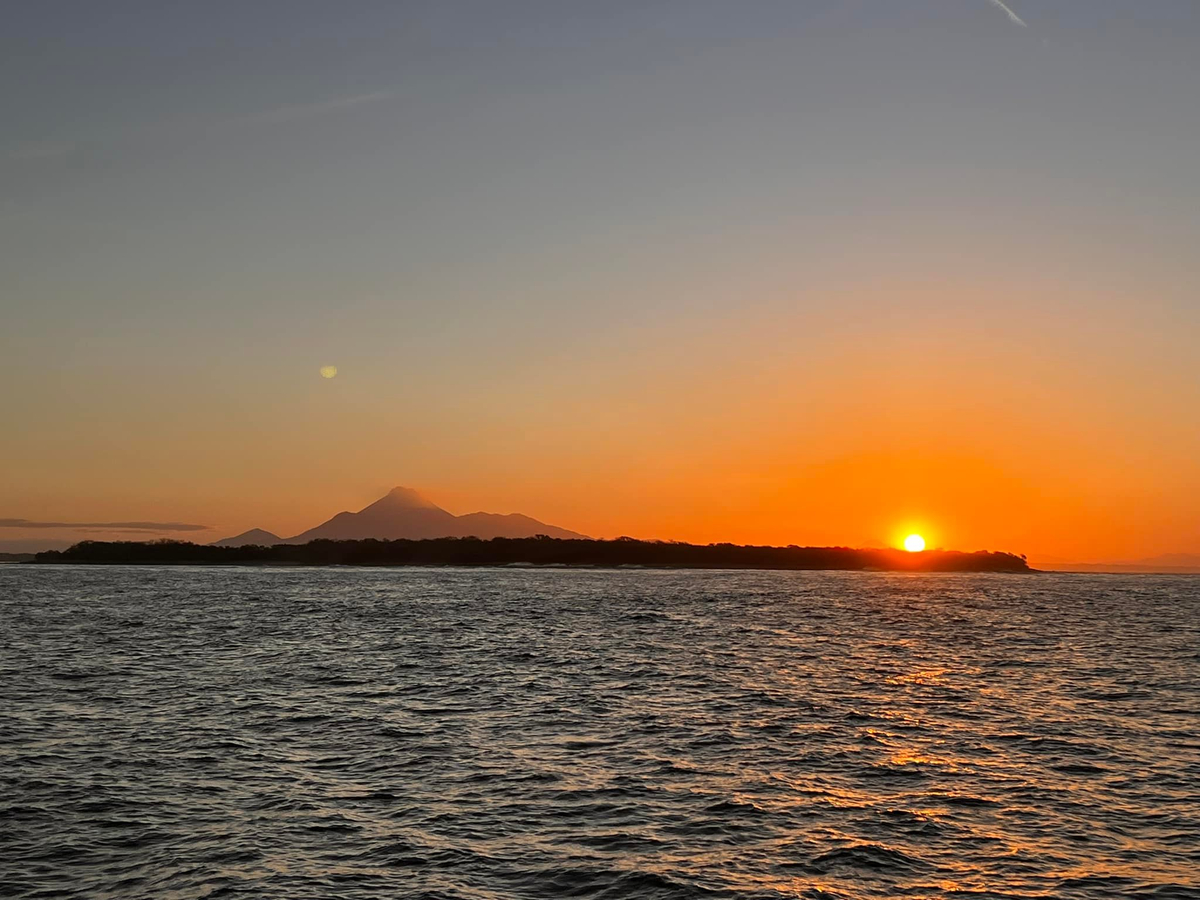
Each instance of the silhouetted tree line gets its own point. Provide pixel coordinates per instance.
(538, 551)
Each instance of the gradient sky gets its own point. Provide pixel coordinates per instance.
(799, 272)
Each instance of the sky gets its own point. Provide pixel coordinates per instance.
(818, 272)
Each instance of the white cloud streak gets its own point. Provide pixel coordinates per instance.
(105, 526)
(1012, 16)
(318, 108)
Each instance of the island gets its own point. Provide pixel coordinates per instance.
(534, 551)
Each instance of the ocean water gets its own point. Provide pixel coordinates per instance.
(341, 733)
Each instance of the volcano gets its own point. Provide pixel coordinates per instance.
(403, 513)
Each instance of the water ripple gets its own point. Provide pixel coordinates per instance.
(317, 733)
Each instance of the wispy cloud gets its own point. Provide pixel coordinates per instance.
(150, 133)
(318, 107)
(106, 526)
(1012, 16)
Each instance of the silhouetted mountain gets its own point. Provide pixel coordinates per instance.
(34, 545)
(405, 514)
(1172, 561)
(513, 525)
(253, 537)
(535, 552)
(1166, 564)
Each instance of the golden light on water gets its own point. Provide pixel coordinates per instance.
(914, 543)
(328, 371)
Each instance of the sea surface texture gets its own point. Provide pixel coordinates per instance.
(340, 733)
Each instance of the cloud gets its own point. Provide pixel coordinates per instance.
(105, 526)
(152, 133)
(318, 108)
(1012, 16)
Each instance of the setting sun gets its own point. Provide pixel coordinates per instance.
(914, 543)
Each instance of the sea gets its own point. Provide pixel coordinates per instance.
(530, 733)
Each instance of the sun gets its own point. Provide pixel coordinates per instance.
(914, 543)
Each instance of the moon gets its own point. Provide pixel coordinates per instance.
(328, 371)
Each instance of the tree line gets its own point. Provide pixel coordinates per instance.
(536, 551)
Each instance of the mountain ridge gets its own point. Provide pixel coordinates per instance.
(254, 537)
(404, 514)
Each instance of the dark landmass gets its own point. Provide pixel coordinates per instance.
(16, 557)
(536, 551)
(1166, 564)
(1125, 569)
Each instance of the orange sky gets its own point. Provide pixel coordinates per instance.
(745, 429)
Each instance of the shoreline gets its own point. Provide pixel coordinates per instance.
(538, 552)
(548, 567)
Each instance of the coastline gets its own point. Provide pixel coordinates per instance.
(539, 552)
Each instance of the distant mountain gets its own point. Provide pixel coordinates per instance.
(255, 536)
(1167, 563)
(1173, 560)
(403, 513)
(34, 545)
(513, 525)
